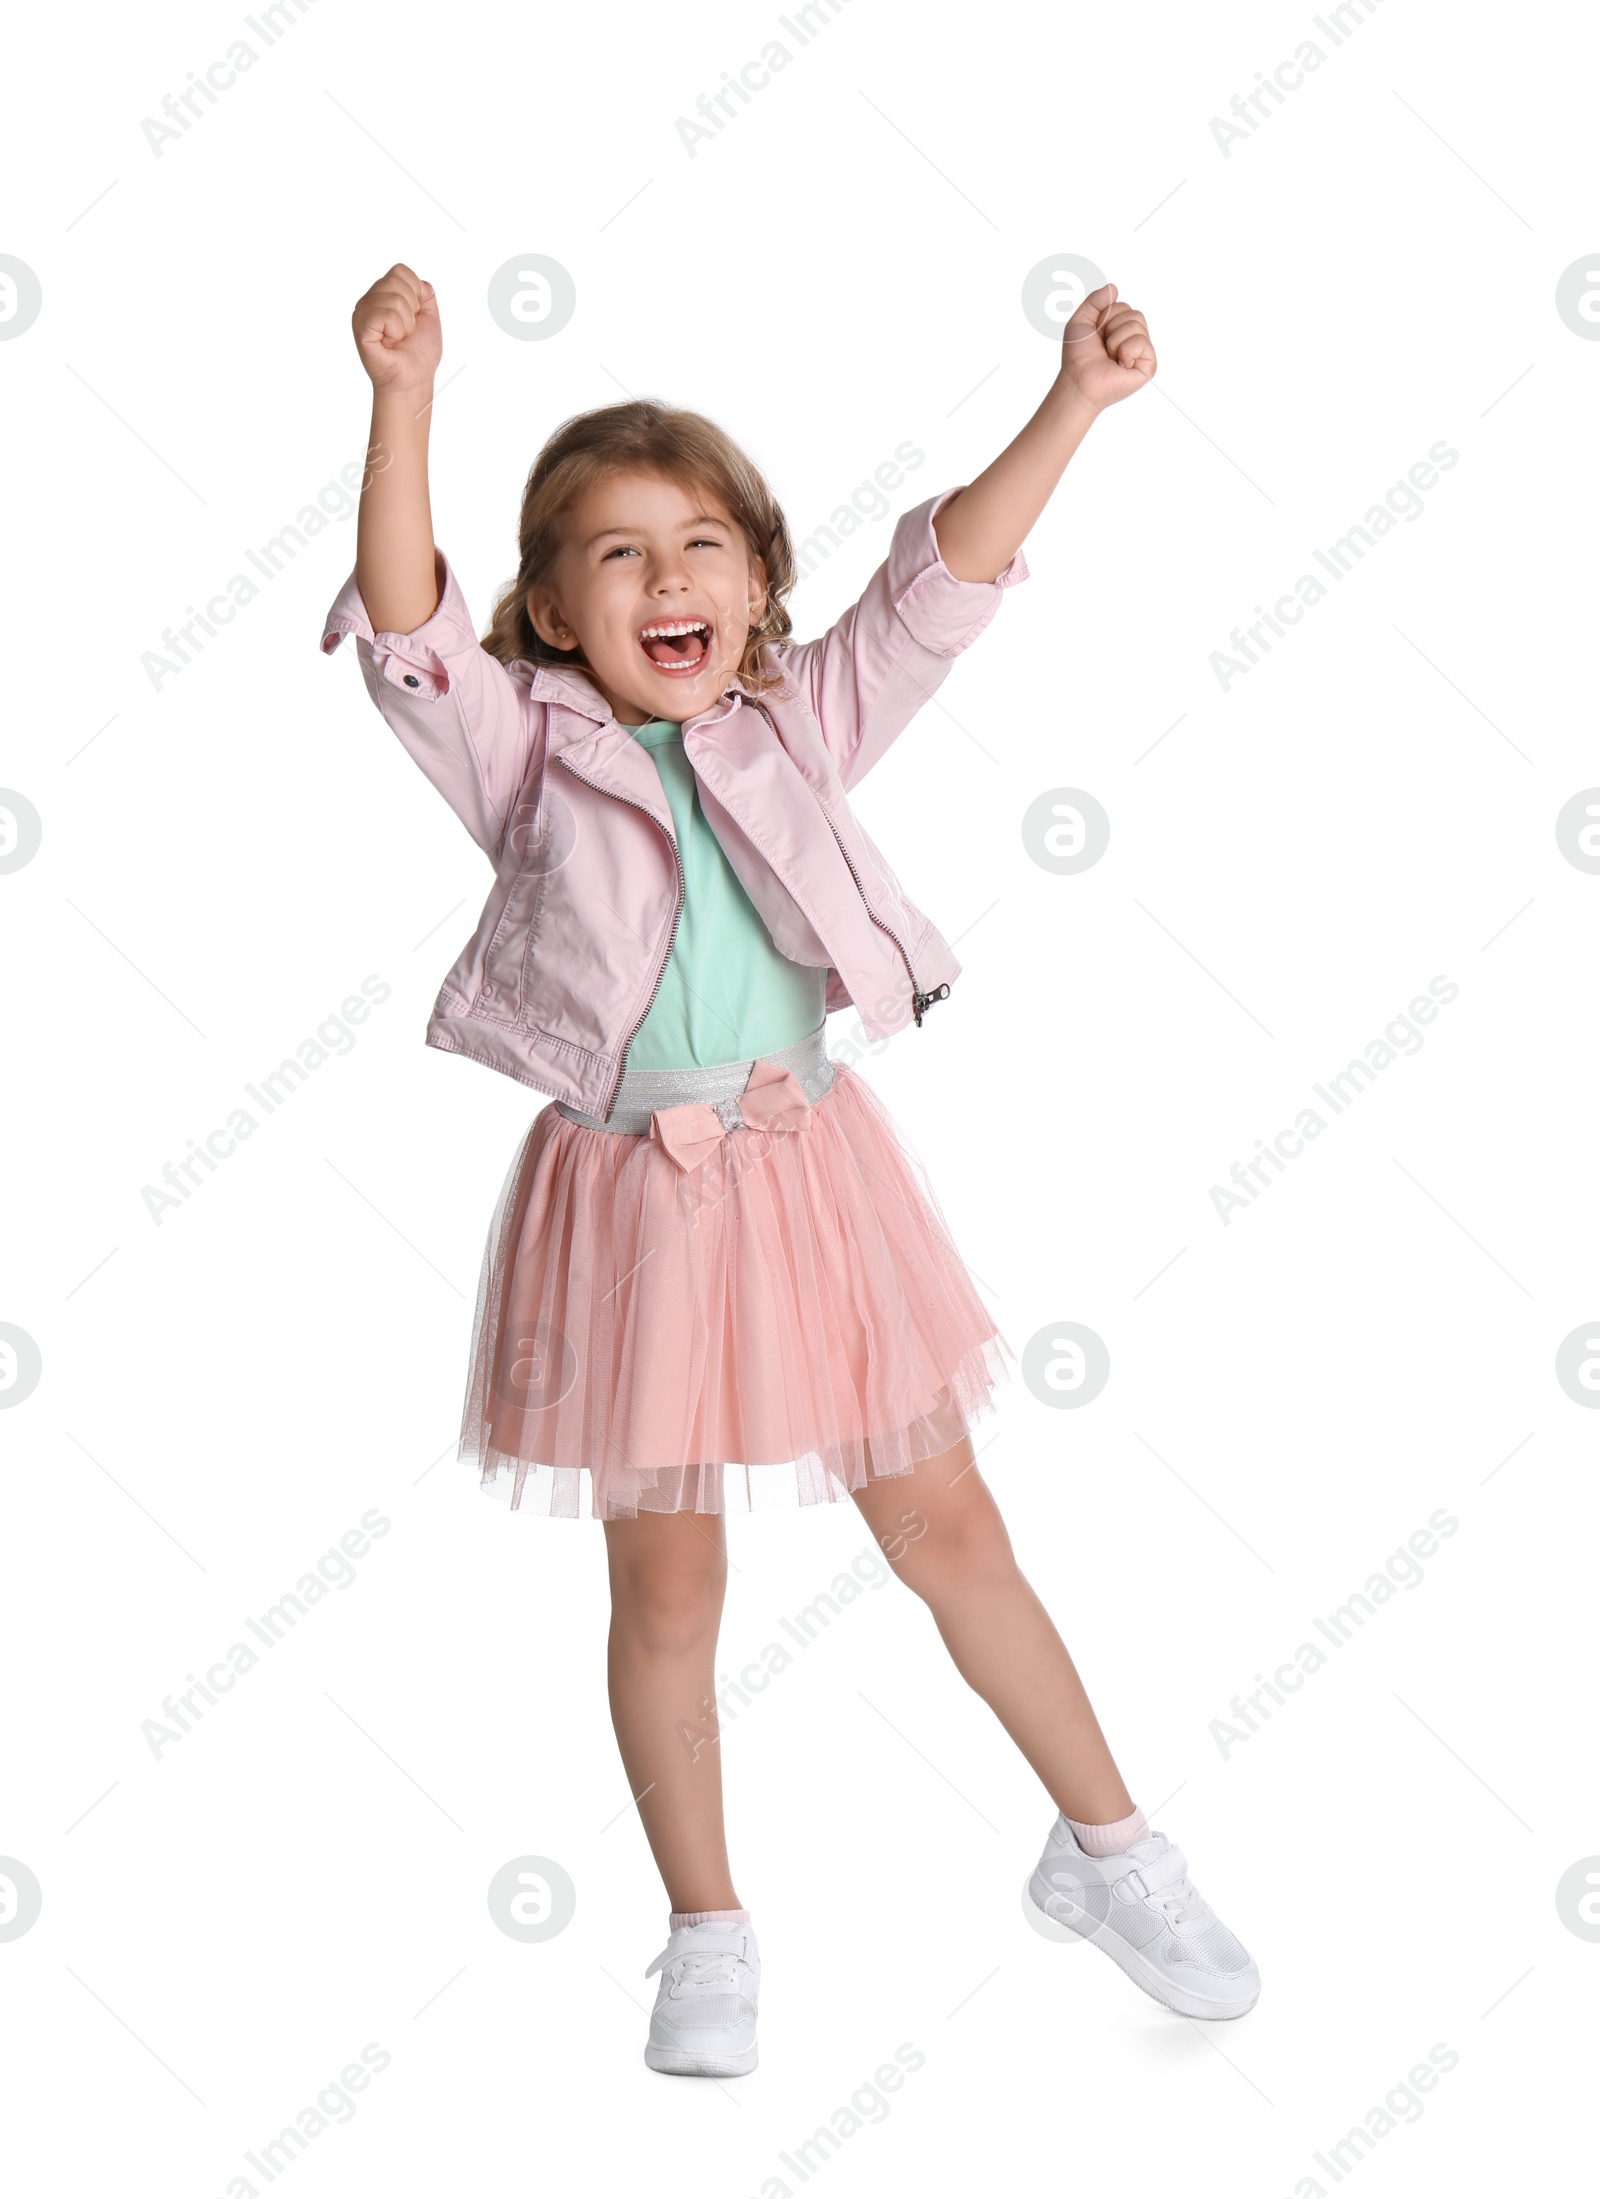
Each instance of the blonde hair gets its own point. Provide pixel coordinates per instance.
(642, 436)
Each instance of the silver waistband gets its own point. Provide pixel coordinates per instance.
(642, 1091)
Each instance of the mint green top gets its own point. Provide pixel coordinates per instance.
(726, 993)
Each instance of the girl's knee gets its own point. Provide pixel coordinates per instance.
(939, 1555)
(667, 1609)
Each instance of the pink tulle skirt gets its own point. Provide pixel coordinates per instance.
(783, 1324)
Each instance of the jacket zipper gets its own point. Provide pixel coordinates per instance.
(671, 935)
(919, 1000)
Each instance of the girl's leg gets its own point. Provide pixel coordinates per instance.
(942, 1532)
(668, 1571)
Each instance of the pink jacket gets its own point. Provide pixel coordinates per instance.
(570, 949)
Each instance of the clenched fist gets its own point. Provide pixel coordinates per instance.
(397, 332)
(1106, 352)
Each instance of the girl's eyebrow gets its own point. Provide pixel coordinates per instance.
(696, 519)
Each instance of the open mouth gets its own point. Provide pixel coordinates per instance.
(677, 646)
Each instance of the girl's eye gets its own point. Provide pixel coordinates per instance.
(625, 549)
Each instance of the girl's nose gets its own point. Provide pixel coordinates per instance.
(669, 574)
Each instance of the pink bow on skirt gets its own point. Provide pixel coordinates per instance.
(774, 1099)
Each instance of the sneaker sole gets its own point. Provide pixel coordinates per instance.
(1182, 2002)
(674, 2064)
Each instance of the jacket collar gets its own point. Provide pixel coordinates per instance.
(584, 710)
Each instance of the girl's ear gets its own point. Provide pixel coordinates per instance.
(758, 590)
(548, 622)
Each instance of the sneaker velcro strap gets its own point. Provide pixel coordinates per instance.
(718, 1949)
(1164, 1871)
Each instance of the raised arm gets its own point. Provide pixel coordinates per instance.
(461, 714)
(953, 557)
(396, 327)
(1106, 354)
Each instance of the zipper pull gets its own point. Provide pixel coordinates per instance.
(919, 1001)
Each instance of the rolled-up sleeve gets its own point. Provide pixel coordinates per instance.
(942, 613)
(869, 674)
(460, 714)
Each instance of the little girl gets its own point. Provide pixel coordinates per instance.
(716, 1276)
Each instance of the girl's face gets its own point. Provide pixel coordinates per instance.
(657, 586)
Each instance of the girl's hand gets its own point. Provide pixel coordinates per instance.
(1106, 352)
(397, 332)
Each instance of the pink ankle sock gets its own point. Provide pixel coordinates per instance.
(680, 1917)
(1109, 1839)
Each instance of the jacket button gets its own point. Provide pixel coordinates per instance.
(412, 680)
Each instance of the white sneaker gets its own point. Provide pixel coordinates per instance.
(704, 2020)
(1142, 1910)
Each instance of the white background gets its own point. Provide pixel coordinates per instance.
(223, 861)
